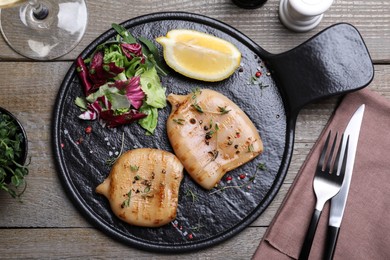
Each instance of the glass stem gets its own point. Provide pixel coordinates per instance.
(40, 11)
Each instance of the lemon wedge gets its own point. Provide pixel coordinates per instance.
(199, 55)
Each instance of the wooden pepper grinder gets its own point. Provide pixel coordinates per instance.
(302, 15)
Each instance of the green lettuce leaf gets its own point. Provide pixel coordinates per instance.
(155, 92)
(149, 123)
(117, 100)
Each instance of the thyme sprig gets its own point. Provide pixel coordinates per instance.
(190, 193)
(179, 121)
(195, 104)
(126, 202)
(197, 107)
(197, 227)
(223, 110)
(260, 166)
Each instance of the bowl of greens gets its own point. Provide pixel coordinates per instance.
(13, 154)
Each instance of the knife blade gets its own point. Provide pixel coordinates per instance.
(339, 201)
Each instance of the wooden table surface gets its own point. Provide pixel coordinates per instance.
(47, 225)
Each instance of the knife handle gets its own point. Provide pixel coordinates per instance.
(331, 241)
(305, 251)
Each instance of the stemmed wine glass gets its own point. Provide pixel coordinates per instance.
(43, 29)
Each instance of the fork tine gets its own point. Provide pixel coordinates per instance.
(329, 162)
(321, 160)
(337, 159)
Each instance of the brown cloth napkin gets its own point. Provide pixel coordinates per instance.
(365, 228)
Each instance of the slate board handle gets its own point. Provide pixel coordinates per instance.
(333, 62)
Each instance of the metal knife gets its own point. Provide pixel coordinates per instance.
(339, 201)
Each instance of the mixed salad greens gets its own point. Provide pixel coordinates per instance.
(121, 81)
(12, 172)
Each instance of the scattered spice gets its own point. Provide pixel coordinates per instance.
(214, 154)
(111, 161)
(210, 133)
(79, 141)
(88, 129)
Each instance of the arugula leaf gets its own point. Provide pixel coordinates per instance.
(160, 66)
(127, 37)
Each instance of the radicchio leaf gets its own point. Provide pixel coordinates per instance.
(133, 90)
(82, 72)
(99, 72)
(117, 120)
(131, 50)
(94, 109)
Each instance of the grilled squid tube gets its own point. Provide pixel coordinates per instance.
(143, 187)
(210, 135)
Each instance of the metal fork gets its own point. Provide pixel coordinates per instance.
(326, 185)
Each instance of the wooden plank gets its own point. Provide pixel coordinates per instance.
(262, 25)
(89, 243)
